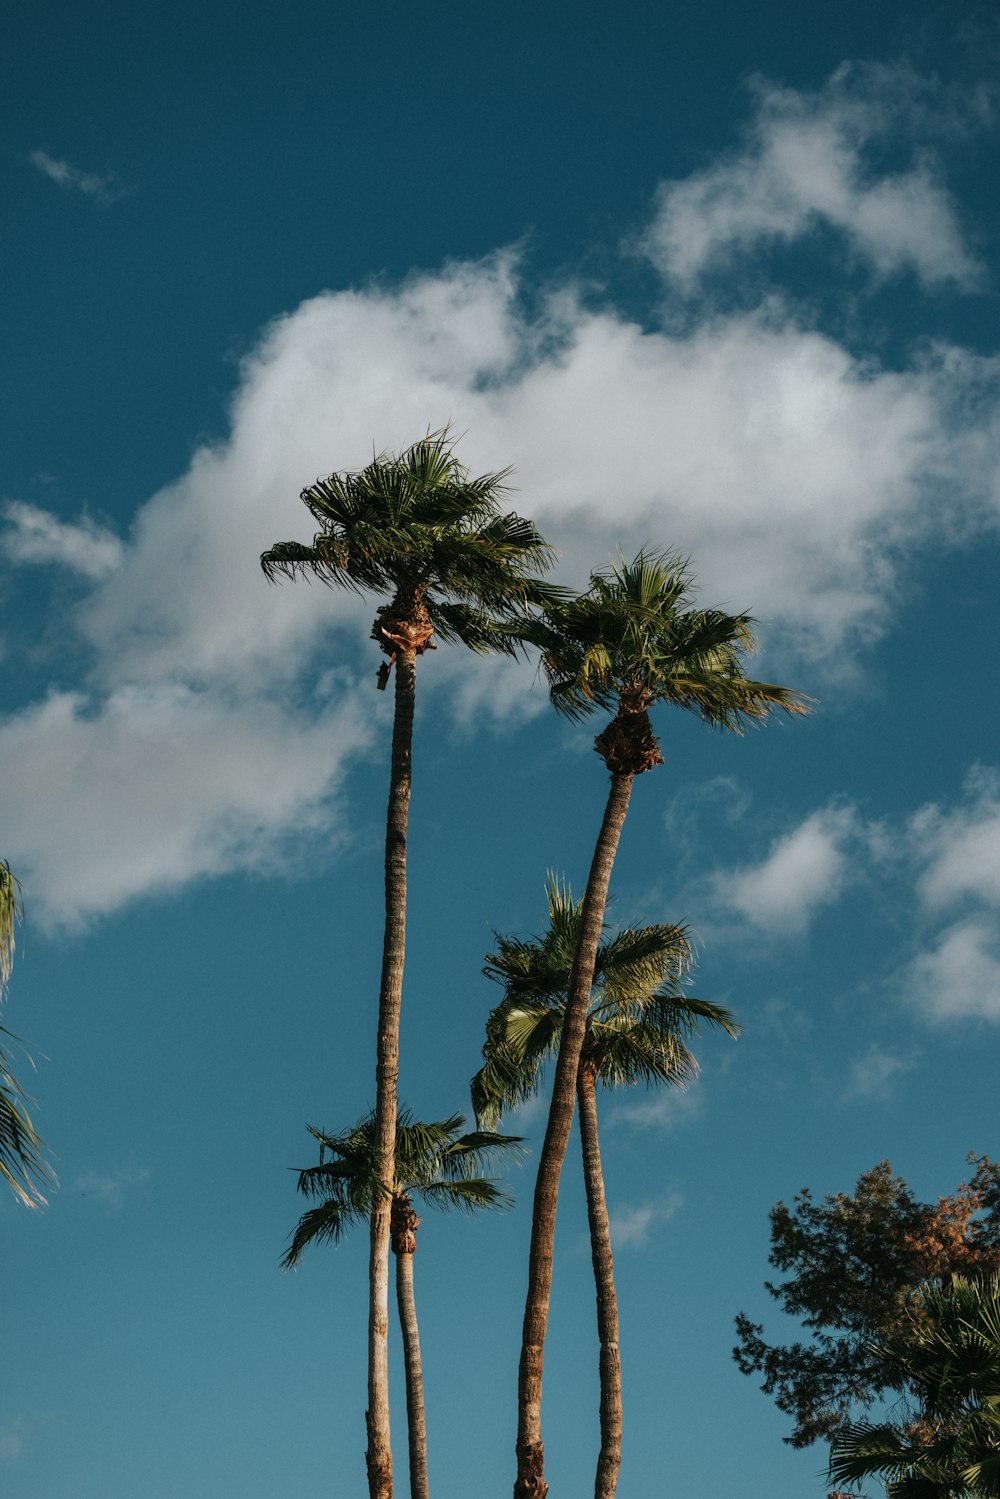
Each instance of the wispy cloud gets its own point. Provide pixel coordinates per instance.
(37, 536)
(873, 1073)
(106, 188)
(632, 1224)
(109, 1187)
(662, 1108)
(807, 164)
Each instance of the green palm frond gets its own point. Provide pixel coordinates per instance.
(22, 1165)
(434, 1160)
(639, 1019)
(10, 915)
(633, 640)
(949, 1361)
(419, 520)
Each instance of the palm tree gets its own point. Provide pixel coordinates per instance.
(435, 1163)
(637, 1023)
(626, 644)
(21, 1164)
(418, 527)
(950, 1360)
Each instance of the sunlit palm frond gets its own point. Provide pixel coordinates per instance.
(419, 520)
(434, 1160)
(634, 640)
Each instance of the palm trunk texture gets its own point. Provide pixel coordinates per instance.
(379, 1454)
(609, 1461)
(530, 1482)
(414, 1371)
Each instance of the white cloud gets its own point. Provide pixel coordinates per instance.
(38, 536)
(630, 1225)
(961, 847)
(806, 163)
(12, 1438)
(873, 1073)
(796, 475)
(109, 1187)
(662, 1108)
(105, 189)
(959, 978)
(804, 870)
(154, 787)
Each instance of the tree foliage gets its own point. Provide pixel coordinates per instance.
(855, 1264)
(946, 1444)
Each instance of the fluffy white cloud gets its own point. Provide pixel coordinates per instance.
(105, 189)
(631, 1225)
(959, 977)
(961, 847)
(155, 787)
(804, 870)
(38, 536)
(806, 163)
(795, 474)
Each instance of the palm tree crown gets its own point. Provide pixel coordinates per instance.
(434, 1161)
(418, 527)
(632, 640)
(639, 1019)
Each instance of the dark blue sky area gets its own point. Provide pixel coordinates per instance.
(268, 153)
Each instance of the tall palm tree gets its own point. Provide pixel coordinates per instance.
(949, 1445)
(637, 1025)
(631, 641)
(434, 1163)
(418, 527)
(22, 1166)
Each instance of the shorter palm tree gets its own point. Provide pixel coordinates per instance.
(637, 1027)
(435, 1163)
(22, 1166)
(949, 1445)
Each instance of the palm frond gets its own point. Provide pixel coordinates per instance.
(632, 639)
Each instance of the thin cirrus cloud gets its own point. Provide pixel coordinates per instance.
(103, 188)
(800, 477)
(873, 1074)
(632, 1224)
(805, 166)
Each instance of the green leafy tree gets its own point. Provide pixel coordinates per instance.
(947, 1444)
(630, 642)
(455, 565)
(434, 1163)
(637, 1026)
(22, 1165)
(854, 1263)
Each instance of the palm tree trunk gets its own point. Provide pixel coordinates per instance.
(414, 1375)
(530, 1482)
(379, 1454)
(610, 1457)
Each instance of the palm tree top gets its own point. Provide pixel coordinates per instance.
(638, 1022)
(417, 524)
(434, 1160)
(633, 639)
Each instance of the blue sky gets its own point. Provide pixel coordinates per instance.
(719, 279)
